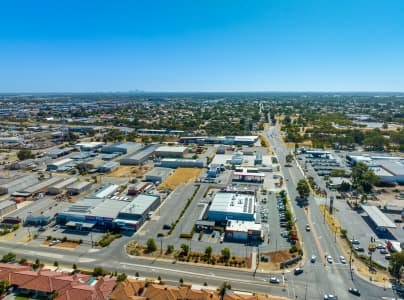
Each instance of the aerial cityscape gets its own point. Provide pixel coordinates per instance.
(183, 151)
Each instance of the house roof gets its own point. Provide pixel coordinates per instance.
(163, 292)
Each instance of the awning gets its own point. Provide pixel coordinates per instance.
(378, 217)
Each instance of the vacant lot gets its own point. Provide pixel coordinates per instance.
(179, 177)
(129, 171)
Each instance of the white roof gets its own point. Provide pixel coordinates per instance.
(242, 226)
(233, 202)
(62, 162)
(378, 217)
(179, 149)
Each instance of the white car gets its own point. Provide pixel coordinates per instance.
(274, 280)
(380, 246)
(342, 259)
(313, 258)
(329, 259)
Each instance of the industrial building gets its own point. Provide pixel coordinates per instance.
(108, 213)
(138, 188)
(18, 183)
(224, 140)
(60, 186)
(158, 174)
(232, 206)
(7, 206)
(121, 147)
(108, 166)
(160, 132)
(243, 231)
(388, 168)
(58, 152)
(170, 151)
(60, 164)
(89, 146)
(78, 187)
(106, 191)
(214, 170)
(251, 175)
(41, 187)
(139, 157)
(183, 163)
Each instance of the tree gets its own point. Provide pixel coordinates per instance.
(363, 177)
(56, 263)
(222, 290)
(226, 254)
(185, 249)
(99, 271)
(303, 189)
(9, 257)
(397, 264)
(121, 277)
(25, 154)
(170, 249)
(151, 245)
(4, 284)
(208, 251)
(289, 158)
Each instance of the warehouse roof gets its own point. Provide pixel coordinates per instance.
(105, 207)
(61, 162)
(6, 203)
(79, 185)
(43, 184)
(233, 202)
(173, 149)
(106, 191)
(378, 217)
(142, 153)
(65, 182)
(140, 204)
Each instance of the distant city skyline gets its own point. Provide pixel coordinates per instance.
(202, 46)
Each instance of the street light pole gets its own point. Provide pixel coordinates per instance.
(350, 260)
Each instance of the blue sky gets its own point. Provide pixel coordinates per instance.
(201, 45)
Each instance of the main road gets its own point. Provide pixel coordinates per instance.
(316, 280)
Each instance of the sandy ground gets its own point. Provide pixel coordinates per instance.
(179, 177)
(275, 258)
(68, 245)
(128, 171)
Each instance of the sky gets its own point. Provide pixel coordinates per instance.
(201, 45)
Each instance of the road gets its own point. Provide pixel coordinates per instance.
(316, 280)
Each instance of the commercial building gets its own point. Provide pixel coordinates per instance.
(214, 170)
(251, 175)
(139, 157)
(106, 191)
(60, 186)
(59, 164)
(41, 187)
(89, 146)
(108, 166)
(170, 151)
(18, 183)
(138, 188)
(224, 140)
(122, 147)
(158, 174)
(243, 231)
(58, 152)
(108, 213)
(78, 187)
(7, 206)
(232, 206)
(160, 132)
(183, 163)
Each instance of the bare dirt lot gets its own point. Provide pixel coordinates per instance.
(179, 177)
(129, 171)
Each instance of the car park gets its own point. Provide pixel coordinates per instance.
(384, 251)
(354, 291)
(274, 280)
(381, 246)
(329, 259)
(387, 256)
(298, 271)
(342, 259)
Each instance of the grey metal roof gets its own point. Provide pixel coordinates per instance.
(378, 217)
(140, 204)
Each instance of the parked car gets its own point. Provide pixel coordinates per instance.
(307, 227)
(330, 297)
(355, 242)
(384, 251)
(298, 271)
(381, 246)
(274, 280)
(354, 291)
(359, 249)
(387, 256)
(167, 226)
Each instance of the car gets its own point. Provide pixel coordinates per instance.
(398, 221)
(359, 249)
(213, 234)
(298, 271)
(283, 224)
(342, 259)
(307, 227)
(274, 280)
(384, 251)
(285, 234)
(355, 242)
(380, 246)
(42, 228)
(222, 239)
(387, 256)
(313, 258)
(166, 226)
(329, 259)
(330, 297)
(354, 291)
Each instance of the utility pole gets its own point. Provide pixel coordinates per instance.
(350, 261)
(161, 246)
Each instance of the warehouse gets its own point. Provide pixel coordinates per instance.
(224, 140)
(60, 186)
(183, 163)
(108, 213)
(121, 147)
(59, 164)
(170, 151)
(17, 183)
(139, 188)
(58, 152)
(251, 175)
(243, 231)
(160, 132)
(90, 165)
(89, 146)
(232, 206)
(139, 157)
(108, 166)
(7, 206)
(158, 175)
(40, 187)
(78, 187)
(106, 191)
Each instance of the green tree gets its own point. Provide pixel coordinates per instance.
(289, 158)
(208, 251)
(363, 177)
(184, 249)
(226, 254)
(223, 288)
(397, 264)
(170, 249)
(25, 154)
(4, 284)
(151, 245)
(121, 277)
(9, 257)
(303, 189)
(99, 271)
